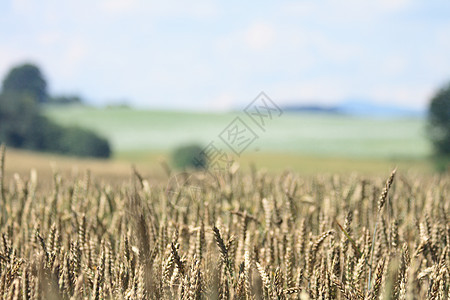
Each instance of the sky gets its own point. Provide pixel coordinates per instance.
(217, 55)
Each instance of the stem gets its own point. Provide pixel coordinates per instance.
(2, 173)
(2, 184)
(371, 255)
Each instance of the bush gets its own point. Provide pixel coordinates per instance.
(189, 156)
(82, 142)
(43, 135)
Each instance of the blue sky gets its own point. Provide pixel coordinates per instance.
(212, 55)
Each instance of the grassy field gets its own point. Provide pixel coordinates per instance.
(133, 131)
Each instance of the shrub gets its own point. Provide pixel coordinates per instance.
(189, 156)
(82, 142)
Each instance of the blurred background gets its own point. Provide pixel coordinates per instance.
(348, 85)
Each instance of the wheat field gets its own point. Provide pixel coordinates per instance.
(237, 236)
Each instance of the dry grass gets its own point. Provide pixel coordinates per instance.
(22, 161)
(245, 236)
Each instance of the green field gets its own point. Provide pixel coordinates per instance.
(136, 131)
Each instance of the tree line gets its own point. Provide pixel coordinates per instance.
(23, 125)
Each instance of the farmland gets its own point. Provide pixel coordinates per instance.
(292, 218)
(245, 235)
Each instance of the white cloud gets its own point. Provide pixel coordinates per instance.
(223, 102)
(22, 6)
(392, 5)
(195, 9)
(49, 38)
(118, 6)
(319, 50)
(394, 65)
(259, 36)
(349, 11)
(256, 37)
(76, 51)
(160, 9)
(416, 96)
(326, 47)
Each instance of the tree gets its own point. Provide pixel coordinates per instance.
(17, 117)
(189, 156)
(22, 125)
(439, 121)
(26, 79)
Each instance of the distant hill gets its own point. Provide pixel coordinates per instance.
(311, 108)
(358, 108)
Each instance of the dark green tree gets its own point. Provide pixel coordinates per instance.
(22, 125)
(439, 121)
(17, 117)
(26, 79)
